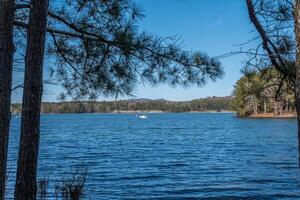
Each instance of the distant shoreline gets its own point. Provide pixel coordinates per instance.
(257, 116)
(160, 111)
(135, 112)
(138, 112)
(209, 104)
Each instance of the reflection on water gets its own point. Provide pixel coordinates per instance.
(170, 156)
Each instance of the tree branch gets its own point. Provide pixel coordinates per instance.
(266, 41)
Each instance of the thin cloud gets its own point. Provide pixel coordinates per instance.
(215, 25)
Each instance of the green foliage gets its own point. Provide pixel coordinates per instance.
(206, 104)
(246, 88)
(264, 91)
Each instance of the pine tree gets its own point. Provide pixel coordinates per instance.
(6, 65)
(99, 51)
(26, 185)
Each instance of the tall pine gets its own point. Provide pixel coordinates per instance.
(6, 65)
(26, 184)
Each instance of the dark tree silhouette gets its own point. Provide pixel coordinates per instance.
(297, 33)
(6, 65)
(26, 185)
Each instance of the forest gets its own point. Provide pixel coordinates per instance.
(263, 94)
(136, 105)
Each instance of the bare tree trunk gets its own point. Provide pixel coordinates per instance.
(297, 34)
(6, 64)
(26, 185)
(280, 108)
(277, 108)
(255, 105)
(265, 107)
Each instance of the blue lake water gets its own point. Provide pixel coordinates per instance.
(169, 156)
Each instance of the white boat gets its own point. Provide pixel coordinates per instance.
(143, 116)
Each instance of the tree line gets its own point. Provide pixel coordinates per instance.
(136, 105)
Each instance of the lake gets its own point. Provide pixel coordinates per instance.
(169, 156)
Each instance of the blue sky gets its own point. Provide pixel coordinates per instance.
(212, 26)
(215, 27)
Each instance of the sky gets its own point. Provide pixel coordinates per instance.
(215, 27)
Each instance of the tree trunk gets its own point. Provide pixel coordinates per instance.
(265, 107)
(297, 34)
(26, 184)
(6, 64)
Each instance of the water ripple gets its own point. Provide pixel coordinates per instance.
(169, 156)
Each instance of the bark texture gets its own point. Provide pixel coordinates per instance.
(26, 184)
(6, 64)
(297, 34)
